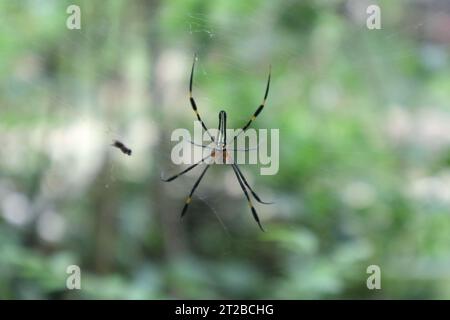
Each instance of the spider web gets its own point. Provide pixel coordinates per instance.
(246, 47)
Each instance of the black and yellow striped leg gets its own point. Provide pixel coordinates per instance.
(258, 111)
(185, 170)
(192, 100)
(255, 215)
(248, 186)
(189, 198)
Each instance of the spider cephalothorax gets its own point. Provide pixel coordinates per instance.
(220, 153)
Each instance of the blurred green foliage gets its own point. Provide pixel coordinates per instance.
(364, 149)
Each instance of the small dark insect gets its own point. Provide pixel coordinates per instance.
(221, 151)
(122, 147)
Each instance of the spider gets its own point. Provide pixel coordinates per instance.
(221, 151)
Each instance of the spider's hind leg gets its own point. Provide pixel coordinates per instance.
(248, 185)
(189, 198)
(255, 215)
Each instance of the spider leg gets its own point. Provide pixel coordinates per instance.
(255, 215)
(189, 198)
(192, 100)
(248, 186)
(257, 112)
(200, 145)
(185, 170)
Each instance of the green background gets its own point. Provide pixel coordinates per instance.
(364, 149)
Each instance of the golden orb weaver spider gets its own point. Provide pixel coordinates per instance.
(221, 151)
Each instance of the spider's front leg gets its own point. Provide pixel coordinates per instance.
(192, 100)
